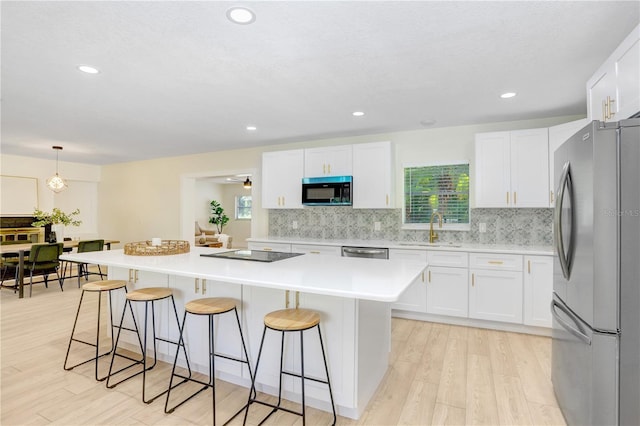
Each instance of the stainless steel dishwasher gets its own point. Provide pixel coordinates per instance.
(368, 252)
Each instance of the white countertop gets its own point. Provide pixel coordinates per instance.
(466, 247)
(369, 279)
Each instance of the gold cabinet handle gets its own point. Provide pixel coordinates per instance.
(429, 275)
(387, 199)
(507, 197)
(551, 196)
(473, 280)
(135, 276)
(297, 299)
(204, 286)
(329, 168)
(286, 299)
(495, 262)
(515, 198)
(197, 285)
(529, 266)
(130, 275)
(314, 252)
(283, 201)
(267, 249)
(324, 169)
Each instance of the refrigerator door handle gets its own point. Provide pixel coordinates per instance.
(563, 256)
(573, 330)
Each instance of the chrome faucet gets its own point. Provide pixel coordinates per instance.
(432, 235)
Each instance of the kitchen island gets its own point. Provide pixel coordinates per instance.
(353, 295)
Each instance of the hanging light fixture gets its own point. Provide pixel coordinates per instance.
(247, 183)
(56, 183)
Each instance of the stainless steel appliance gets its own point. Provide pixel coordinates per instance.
(368, 252)
(327, 191)
(596, 300)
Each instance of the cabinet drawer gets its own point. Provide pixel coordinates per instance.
(417, 255)
(270, 247)
(453, 259)
(503, 262)
(313, 249)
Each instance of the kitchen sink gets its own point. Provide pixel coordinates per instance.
(431, 244)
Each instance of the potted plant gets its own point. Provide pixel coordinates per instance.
(218, 217)
(58, 220)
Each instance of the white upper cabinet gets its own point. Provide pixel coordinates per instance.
(613, 93)
(328, 161)
(372, 176)
(282, 179)
(557, 136)
(512, 169)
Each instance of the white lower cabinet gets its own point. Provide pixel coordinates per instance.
(538, 290)
(447, 289)
(414, 298)
(495, 293)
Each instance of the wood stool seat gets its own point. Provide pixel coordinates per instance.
(104, 285)
(149, 294)
(292, 319)
(210, 306)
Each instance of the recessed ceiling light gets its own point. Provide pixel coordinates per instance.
(88, 69)
(252, 128)
(507, 95)
(241, 15)
(358, 113)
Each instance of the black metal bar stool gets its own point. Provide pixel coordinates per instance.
(96, 287)
(210, 307)
(148, 296)
(284, 321)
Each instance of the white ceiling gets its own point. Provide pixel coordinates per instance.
(179, 78)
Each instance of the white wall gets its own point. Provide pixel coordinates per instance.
(240, 230)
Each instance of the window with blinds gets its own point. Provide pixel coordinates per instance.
(441, 188)
(243, 207)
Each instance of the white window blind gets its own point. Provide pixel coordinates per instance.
(243, 207)
(441, 188)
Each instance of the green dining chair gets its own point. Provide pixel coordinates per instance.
(83, 268)
(44, 259)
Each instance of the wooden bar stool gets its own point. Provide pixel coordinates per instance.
(96, 287)
(210, 307)
(285, 321)
(148, 296)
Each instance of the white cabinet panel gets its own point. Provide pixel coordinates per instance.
(512, 168)
(447, 291)
(414, 298)
(312, 249)
(455, 259)
(538, 290)
(504, 262)
(282, 179)
(372, 176)
(282, 247)
(496, 295)
(329, 161)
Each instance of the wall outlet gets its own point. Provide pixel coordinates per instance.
(376, 226)
(483, 228)
(294, 225)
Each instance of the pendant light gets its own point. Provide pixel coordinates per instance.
(56, 183)
(247, 183)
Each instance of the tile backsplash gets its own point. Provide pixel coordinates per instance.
(504, 226)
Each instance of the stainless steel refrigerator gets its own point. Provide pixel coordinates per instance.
(596, 288)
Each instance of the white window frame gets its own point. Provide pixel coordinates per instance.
(426, 226)
(237, 206)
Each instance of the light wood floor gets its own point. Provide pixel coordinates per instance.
(439, 374)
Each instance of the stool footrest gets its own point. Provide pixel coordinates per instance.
(289, 373)
(231, 358)
(89, 360)
(275, 408)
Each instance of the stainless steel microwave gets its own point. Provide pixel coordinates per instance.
(327, 191)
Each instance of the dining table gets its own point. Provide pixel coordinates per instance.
(21, 249)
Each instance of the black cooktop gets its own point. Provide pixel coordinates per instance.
(255, 255)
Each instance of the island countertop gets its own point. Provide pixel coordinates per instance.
(357, 278)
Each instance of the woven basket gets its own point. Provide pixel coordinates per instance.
(167, 247)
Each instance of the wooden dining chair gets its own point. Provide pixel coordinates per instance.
(44, 259)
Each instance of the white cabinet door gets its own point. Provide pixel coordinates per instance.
(496, 295)
(538, 290)
(414, 298)
(557, 136)
(530, 168)
(372, 176)
(613, 92)
(492, 169)
(447, 291)
(282, 173)
(328, 161)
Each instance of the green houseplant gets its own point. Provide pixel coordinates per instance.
(57, 219)
(218, 217)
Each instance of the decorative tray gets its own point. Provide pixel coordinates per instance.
(166, 247)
